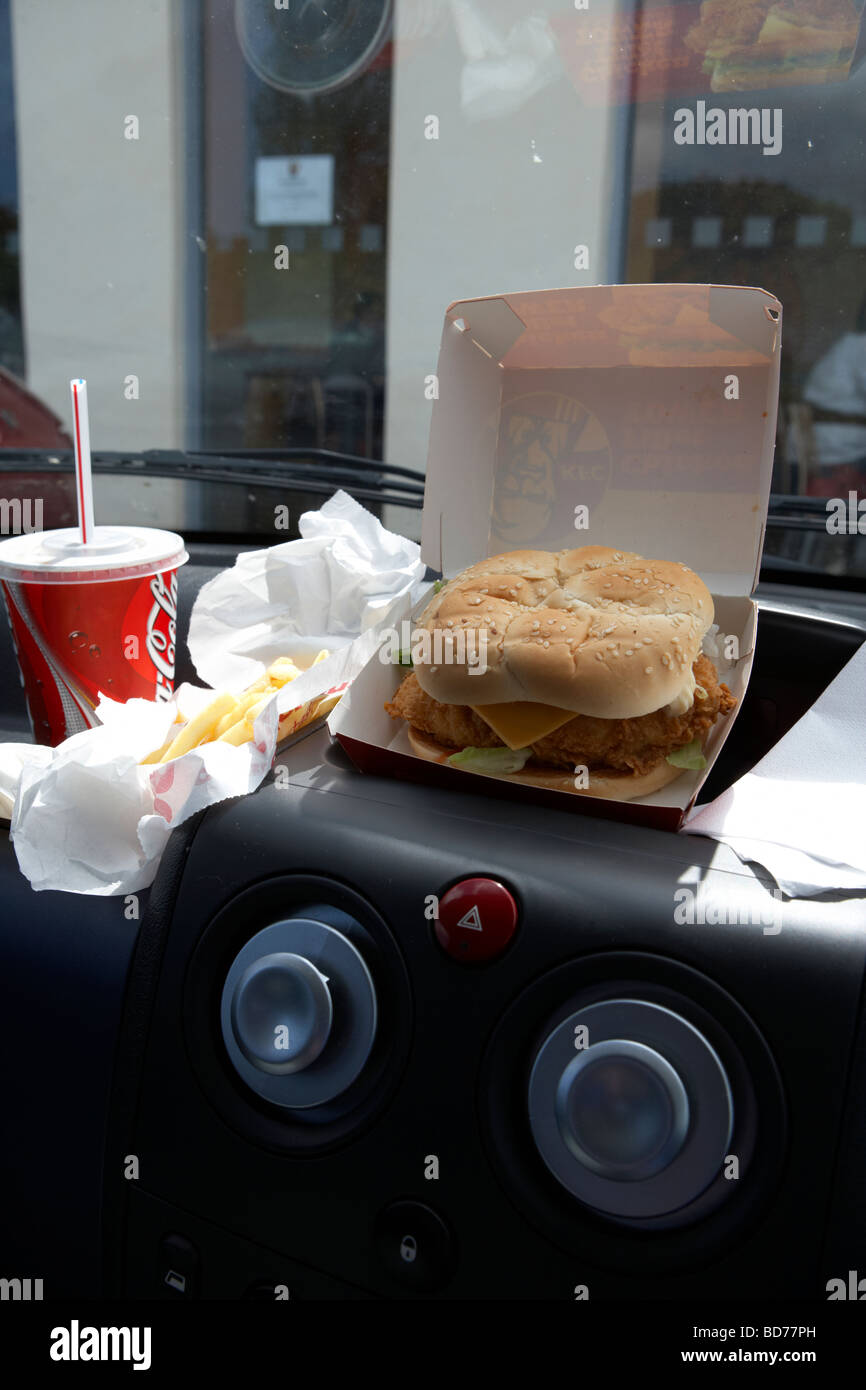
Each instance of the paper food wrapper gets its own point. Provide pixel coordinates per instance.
(91, 819)
(87, 817)
(345, 576)
(801, 811)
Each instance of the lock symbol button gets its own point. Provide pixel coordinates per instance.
(408, 1249)
(422, 1260)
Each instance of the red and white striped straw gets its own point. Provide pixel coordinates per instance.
(83, 478)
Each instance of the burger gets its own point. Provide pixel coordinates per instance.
(580, 670)
(750, 44)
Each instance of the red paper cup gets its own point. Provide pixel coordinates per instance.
(91, 620)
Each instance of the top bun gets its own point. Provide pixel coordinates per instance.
(599, 631)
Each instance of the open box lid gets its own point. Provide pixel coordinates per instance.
(637, 416)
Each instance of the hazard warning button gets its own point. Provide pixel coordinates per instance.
(477, 919)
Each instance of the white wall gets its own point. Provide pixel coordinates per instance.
(102, 217)
(482, 209)
(496, 203)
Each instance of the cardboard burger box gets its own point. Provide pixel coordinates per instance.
(641, 417)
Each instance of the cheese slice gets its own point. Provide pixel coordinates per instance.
(522, 721)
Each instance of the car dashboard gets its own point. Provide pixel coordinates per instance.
(434, 1130)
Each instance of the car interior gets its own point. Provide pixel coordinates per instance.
(441, 946)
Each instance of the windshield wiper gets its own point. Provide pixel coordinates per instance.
(317, 471)
(327, 455)
(795, 513)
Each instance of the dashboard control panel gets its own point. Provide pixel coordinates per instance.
(387, 1041)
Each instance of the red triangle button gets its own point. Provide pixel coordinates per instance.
(477, 919)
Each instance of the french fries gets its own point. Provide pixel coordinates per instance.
(230, 718)
(284, 670)
(198, 729)
(242, 729)
(242, 704)
(158, 755)
(241, 732)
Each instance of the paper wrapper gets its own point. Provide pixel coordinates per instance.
(801, 811)
(91, 819)
(345, 576)
(87, 817)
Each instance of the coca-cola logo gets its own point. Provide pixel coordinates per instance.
(161, 634)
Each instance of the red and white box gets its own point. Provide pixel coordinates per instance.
(641, 417)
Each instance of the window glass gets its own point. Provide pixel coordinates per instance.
(243, 220)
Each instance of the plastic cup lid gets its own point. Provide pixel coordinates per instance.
(116, 552)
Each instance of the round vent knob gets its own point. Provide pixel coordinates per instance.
(281, 1013)
(622, 1110)
(630, 1108)
(298, 1013)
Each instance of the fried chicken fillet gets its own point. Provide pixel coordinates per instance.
(625, 745)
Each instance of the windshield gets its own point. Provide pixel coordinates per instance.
(242, 221)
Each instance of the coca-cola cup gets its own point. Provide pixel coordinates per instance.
(91, 620)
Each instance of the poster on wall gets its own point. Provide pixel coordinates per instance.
(294, 190)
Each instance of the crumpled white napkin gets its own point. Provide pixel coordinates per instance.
(14, 757)
(801, 811)
(89, 818)
(346, 575)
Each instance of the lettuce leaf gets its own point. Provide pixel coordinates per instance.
(496, 761)
(690, 756)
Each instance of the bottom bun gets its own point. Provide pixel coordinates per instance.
(616, 786)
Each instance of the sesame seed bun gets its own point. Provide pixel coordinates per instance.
(594, 630)
(615, 786)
